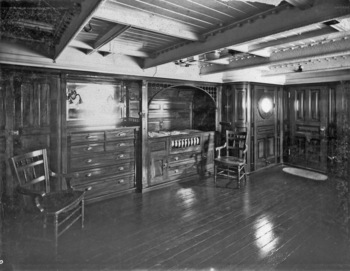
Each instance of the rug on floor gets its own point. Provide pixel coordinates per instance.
(305, 173)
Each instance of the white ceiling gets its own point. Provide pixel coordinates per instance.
(289, 38)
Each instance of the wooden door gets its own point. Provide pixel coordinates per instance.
(158, 163)
(265, 126)
(309, 112)
(158, 168)
(26, 104)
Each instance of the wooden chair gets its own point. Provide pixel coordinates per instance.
(231, 159)
(65, 207)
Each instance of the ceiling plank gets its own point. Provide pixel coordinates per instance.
(109, 36)
(312, 52)
(77, 23)
(120, 14)
(253, 30)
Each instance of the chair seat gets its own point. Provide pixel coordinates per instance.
(59, 201)
(230, 160)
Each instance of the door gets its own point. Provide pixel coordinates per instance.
(158, 168)
(26, 107)
(265, 126)
(308, 120)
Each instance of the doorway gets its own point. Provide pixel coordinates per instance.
(307, 119)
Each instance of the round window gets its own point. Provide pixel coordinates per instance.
(265, 106)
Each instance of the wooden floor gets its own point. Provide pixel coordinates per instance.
(277, 222)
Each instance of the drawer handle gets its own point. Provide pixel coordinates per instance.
(121, 168)
(176, 170)
(176, 158)
(89, 148)
(121, 156)
(89, 136)
(121, 181)
(88, 175)
(121, 134)
(121, 144)
(88, 161)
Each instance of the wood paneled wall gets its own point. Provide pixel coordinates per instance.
(181, 108)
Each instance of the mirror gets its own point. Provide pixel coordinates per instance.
(93, 104)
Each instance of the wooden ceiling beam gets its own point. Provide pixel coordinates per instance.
(77, 24)
(302, 4)
(311, 52)
(282, 20)
(307, 35)
(117, 13)
(109, 36)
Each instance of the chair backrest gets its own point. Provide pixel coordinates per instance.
(32, 170)
(236, 144)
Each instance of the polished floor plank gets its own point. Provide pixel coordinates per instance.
(276, 222)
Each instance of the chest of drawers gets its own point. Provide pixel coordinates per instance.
(104, 160)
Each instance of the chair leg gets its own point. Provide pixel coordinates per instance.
(44, 225)
(238, 177)
(82, 213)
(245, 175)
(215, 172)
(55, 223)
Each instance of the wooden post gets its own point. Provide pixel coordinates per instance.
(143, 179)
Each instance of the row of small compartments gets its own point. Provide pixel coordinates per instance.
(185, 142)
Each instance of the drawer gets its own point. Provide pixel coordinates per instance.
(105, 159)
(184, 168)
(87, 149)
(113, 135)
(193, 157)
(92, 174)
(120, 144)
(107, 185)
(87, 137)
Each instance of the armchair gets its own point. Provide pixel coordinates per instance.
(231, 159)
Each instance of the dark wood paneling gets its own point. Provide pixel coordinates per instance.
(171, 109)
(265, 129)
(27, 113)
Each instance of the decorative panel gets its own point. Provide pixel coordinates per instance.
(299, 104)
(211, 90)
(315, 105)
(24, 106)
(241, 105)
(261, 148)
(44, 104)
(2, 108)
(270, 146)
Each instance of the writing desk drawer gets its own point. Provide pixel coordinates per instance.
(120, 134)
(107, 159)
(119, 145)
(90, 174)
(87, 137)
(87, 149)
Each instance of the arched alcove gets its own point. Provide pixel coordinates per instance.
(181, 107)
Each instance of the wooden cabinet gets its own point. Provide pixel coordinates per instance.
(179, 157)
(102, 159)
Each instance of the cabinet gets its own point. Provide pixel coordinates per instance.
(102, 159)
(179, 157)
